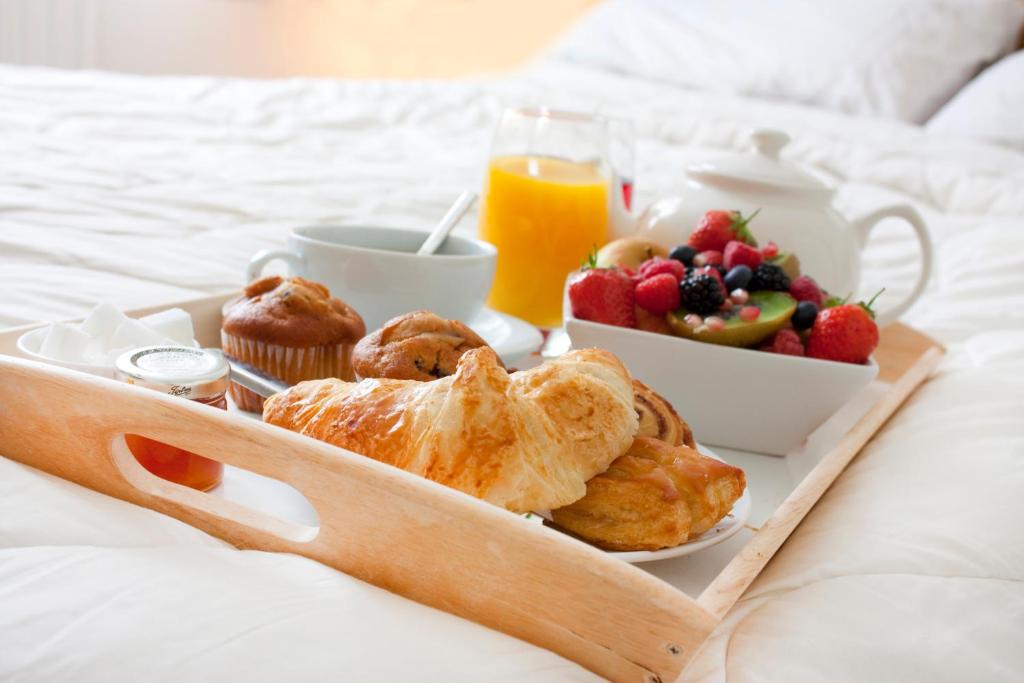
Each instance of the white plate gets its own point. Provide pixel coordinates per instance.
(726, 528)
(511, 338)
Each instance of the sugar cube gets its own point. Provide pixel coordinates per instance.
(132, 334)
(102, 322)
(174, 324)
(64, 342)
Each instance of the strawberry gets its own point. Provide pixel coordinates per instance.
(603, 295)
(741, 254)
(786, 342)
(717, 228)
(846, 333)
(658, 294)
(658, 265)
(804, 288)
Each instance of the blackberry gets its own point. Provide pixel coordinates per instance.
(769, 276)
(701, 294)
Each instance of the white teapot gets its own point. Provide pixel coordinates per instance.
(795, 212)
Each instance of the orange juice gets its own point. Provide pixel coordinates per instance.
(544, 215)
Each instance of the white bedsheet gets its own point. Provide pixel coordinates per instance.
(142, 190)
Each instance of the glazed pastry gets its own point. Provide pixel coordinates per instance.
(418, 345)
(658, 419)
(655, 496)
(292, 329)
(526, 441)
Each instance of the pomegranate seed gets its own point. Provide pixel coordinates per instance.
(749, 314)
(700, 260)
(701, 329)
(714, 323)
(771, 250)
(739, 296)
(693, 320)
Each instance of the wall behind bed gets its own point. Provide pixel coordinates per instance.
(277, 38)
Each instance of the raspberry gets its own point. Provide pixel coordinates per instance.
(658, 265)
(740, 254)
(804, 288)
(786, 342)
(710, 258)
(659, 293)
(770, 250)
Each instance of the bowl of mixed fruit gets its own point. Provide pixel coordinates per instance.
(750, 349)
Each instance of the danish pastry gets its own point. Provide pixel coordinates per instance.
(655, 496)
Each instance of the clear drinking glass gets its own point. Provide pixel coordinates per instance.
(546, 205)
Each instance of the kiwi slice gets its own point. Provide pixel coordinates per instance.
(776, 310)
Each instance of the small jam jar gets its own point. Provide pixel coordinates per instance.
(196, 374)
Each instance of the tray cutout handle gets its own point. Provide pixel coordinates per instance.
(258, 521)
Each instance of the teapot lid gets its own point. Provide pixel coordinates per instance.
(761, 169)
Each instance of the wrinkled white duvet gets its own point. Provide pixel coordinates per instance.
(146, 190)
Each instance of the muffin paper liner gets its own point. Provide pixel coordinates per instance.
(292, 365)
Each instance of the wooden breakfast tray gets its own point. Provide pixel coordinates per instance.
(444, 548)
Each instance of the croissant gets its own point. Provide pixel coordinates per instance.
(655, 496)
(526, 441)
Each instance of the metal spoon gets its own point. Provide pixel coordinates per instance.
(253, 379)
(450, 220)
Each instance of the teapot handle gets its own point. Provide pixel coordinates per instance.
(864, 226)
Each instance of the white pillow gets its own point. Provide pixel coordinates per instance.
(991, 107)
(891, 58)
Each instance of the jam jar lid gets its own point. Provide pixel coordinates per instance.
(177, 370)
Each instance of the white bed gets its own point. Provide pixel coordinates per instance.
(148, 190)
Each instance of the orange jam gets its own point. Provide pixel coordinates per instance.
(176, 464)
(195, 374)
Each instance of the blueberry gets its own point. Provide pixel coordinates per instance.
(684, 254)
(738, 278)
(804, 315)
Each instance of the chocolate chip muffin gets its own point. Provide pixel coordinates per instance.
(419, 345)
(290, 328)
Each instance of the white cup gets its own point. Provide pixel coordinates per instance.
(376, 270)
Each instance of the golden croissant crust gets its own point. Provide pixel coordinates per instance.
(526, 441)
(655, 496)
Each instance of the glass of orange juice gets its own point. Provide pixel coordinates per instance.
(545, 207)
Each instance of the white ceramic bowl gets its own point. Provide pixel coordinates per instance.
(377, 272)
(736, 398)
(30, 343)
